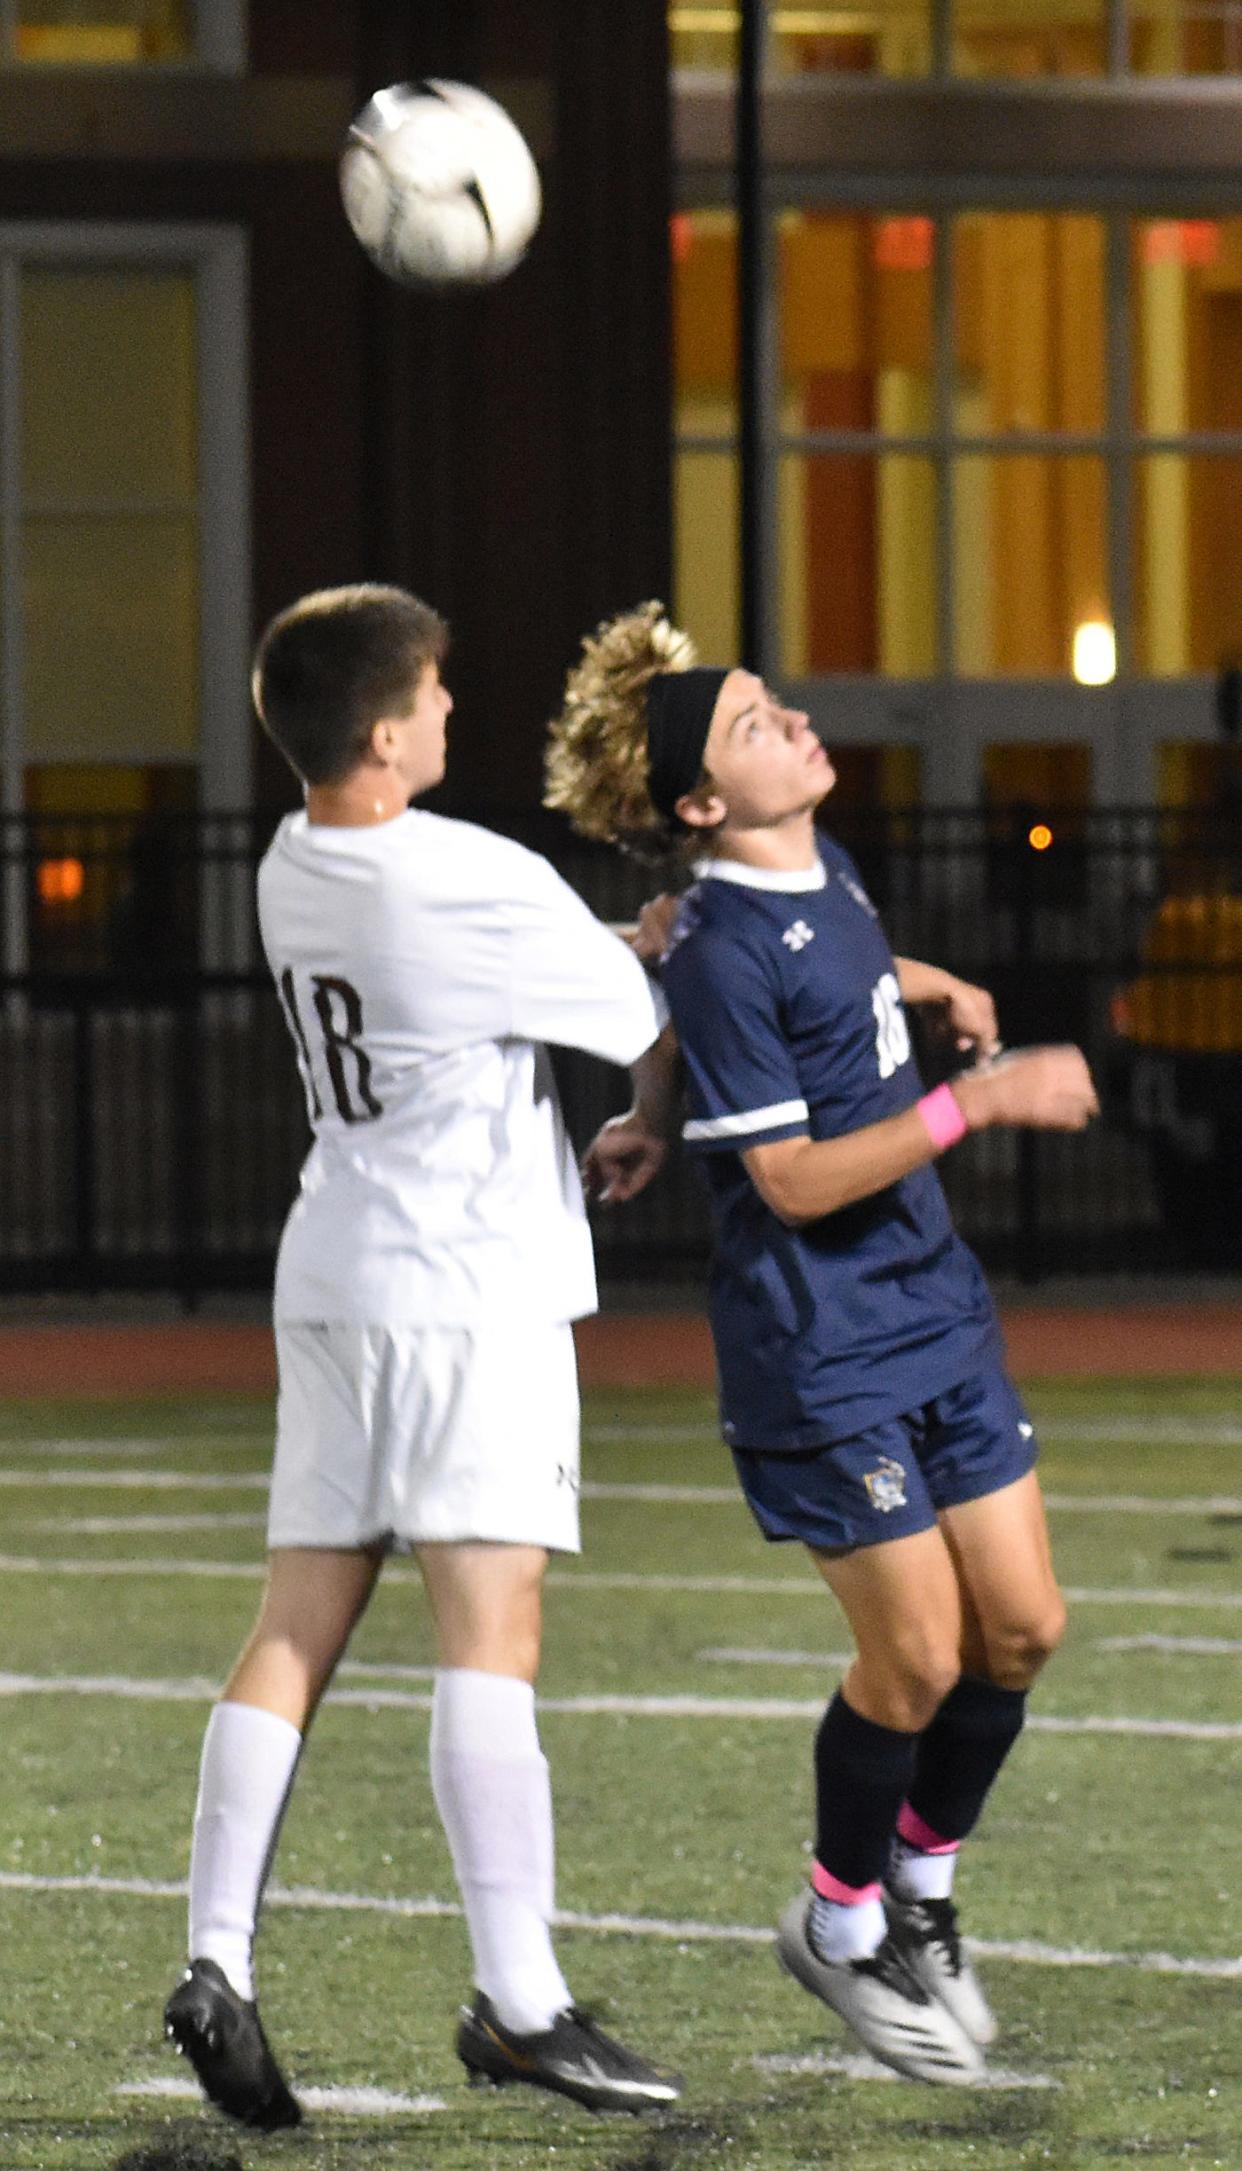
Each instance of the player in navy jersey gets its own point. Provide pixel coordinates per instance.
(861, 1383)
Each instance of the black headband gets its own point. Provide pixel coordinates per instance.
(679, 714)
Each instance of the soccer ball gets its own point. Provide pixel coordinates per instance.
(438, 185)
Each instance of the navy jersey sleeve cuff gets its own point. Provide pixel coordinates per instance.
(747, 1127)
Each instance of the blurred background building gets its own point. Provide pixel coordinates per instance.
(999, 403)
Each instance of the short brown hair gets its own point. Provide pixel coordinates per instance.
(332, 665)
(597, 768)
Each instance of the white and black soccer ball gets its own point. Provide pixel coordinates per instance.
(438, 185)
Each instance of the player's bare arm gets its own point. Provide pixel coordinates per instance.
(802, 1179)
(630, 1149)
(971, 1010)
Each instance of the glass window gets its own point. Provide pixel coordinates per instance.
(856, 321)
(94, 33)
(1030, 38)
(857, 564)
(1187, 598)
(888, 37)
(1186, 325)
(1047, 779)
(704, 280)
(109, 514)
(1185, 37)
(1028, 313)
(111, 622)
(880, 37)
(109, 887)
(873, 779)
(1030, 562)
(1199, 773)
(705, 516)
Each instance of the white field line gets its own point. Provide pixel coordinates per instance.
(1151, 1431)
(857, 2066)
(137, 1526)
(154, 1481)
(725, 1656)
(193, 1688)
(1022, 1951)
(735, 1586)
(723, 1496)
(246, 1571)
(1176, 1646)
(354, 2102)
(107, 1447)
(383, 1672)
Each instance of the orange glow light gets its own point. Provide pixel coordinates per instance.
(903, 244)
(1039, 836)
(1195, 242)
(680, 236)
(60, 881)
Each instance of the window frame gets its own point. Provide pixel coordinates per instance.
(216, 256)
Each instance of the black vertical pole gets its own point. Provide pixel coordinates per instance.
(750, 253)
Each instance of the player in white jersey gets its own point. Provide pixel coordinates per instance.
(427, 1278)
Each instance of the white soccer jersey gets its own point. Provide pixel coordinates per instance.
(422, 964)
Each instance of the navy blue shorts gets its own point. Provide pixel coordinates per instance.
(890, 1481)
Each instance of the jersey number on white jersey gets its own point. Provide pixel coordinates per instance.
(892, 1036)
(338, 1008)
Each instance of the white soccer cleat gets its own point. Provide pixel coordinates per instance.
(930, 1943)
(884, 2003)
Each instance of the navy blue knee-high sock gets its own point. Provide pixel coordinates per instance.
(863, 1773)
(958, 1758)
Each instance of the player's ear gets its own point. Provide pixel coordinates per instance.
(381, 742)
(701, 809)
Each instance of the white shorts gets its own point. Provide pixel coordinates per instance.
(410, 1436)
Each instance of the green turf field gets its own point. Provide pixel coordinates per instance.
(1105, 1891)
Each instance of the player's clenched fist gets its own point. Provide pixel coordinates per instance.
(1049, 1089)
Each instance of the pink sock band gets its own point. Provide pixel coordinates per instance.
(831, 1888)
(942, 1117)
(911, 1828)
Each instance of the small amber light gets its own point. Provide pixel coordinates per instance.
(60, 881)
(1039, 836)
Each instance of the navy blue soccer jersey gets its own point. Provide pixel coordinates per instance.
(784, 994)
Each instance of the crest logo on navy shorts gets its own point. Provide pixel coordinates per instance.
(886, 1485)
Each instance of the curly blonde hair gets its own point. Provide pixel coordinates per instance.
(596, 767)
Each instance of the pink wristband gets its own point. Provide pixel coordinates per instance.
(942, 1117)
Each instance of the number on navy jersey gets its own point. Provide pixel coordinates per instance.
(338, 1008)
(892, 1035)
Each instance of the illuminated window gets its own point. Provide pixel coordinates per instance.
(121, 33)
(876, 37)
(704, 276)
(1015, 38)
(123, 539)
(109, 527)
(1185, 37)
(110, 887)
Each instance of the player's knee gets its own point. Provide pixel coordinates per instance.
(1024, 1650)
(917, 1675)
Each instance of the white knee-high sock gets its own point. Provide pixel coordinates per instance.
(249, 1758)
(491, 1785)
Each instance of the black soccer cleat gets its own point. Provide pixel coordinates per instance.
(927, 1934)
(222, 2036)
(572, 2058)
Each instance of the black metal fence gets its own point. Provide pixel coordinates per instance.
(151, 1120)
